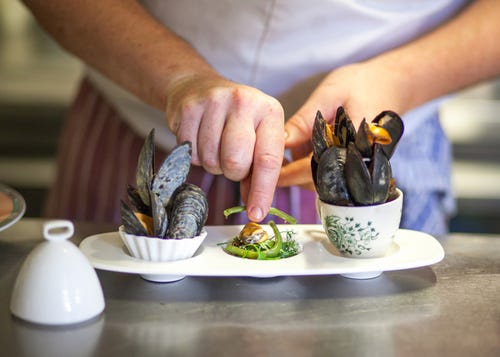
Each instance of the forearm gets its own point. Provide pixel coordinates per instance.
(460, 53)
(121, 40)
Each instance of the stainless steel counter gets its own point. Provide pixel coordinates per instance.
(449, 309)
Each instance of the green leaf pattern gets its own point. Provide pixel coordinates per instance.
(348, 236)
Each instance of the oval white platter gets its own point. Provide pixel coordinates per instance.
(411, 249)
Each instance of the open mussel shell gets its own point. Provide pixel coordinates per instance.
(189, 212)
(381, 172)
(330, 182)
(319, 136)
(314, 170)
(344, 128)
(252, 233)
(163, 206)
(136, 202)
(173, 172)
(324, 136)
(160, 217)
(130, 222)
(362, 140)
(145, 169)
(367, 185)
(393, 123)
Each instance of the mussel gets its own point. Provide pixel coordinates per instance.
(252, 233)
(163, 205)
(352, 167)
(188, 211)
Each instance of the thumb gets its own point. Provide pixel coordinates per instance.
(298, 129)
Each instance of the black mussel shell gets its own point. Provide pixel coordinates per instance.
(358, 177)
(394, 125)
(160, 218)
(130, 222)
(362, 142)
(188, 212)
(367, 185)
(145, 168)
(314, 170)
(381, 172)
(319, 139)
(136, 201)
(173, 172)
(331, 185)
(344, 128)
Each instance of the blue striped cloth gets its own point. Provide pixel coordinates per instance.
(422, 169)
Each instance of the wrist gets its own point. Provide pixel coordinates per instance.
(178, 75)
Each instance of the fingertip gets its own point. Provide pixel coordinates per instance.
(255, 214)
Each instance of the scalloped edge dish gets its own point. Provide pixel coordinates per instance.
(155, 249)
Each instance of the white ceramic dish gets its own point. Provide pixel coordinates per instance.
(411, 249)
(161, 250)
(12, 206)
(362, 231)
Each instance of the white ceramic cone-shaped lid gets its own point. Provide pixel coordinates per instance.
(57, 284)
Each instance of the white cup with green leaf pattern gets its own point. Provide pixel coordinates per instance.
(362, 231)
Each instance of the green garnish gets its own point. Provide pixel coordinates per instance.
(274, 211)
(272, 249)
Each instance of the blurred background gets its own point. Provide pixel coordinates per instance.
(38, 80)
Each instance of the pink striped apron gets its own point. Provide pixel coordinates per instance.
(97, 159)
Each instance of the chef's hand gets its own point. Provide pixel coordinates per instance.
(235, 130)
(363, 90)
(399, 79)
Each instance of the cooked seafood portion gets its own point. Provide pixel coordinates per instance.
(254, 242)
(252, 233)
(352, 167)
(163, 205)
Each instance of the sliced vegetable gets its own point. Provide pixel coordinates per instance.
(274, 211)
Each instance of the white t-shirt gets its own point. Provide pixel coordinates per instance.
(282, 47)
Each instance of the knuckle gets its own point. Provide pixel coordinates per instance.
(176, 119)
(275, 107)
(173, 123)
(216, 95)
(212, 165)
(189, 108)
(234, 169)
(239, 97)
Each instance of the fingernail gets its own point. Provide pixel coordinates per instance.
(256, 214)
(286, 135)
